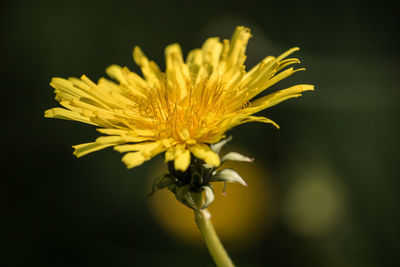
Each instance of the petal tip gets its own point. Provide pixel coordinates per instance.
(48, 113)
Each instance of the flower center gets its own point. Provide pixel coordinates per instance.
(194, 112)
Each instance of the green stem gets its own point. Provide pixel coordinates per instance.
(216, 249)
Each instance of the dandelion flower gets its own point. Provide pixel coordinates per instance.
(178, 112)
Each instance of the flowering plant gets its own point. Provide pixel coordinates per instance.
(183, 112)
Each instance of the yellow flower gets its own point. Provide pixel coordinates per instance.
(194, 103)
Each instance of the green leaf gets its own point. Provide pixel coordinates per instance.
(228, 175)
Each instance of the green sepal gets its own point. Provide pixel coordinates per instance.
(183, 195)
(194, 199)
(196, 179)
(209, 196)
(165, 180)
(228, 175)
(218, 146)
(189, 198)
(234, 156)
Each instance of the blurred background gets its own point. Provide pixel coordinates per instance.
(323, 190)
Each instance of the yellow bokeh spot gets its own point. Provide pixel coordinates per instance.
(316, 201)
(241, 217)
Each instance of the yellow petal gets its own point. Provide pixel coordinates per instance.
(150, 70)
(120, 138)
(115, 72)
(145, 151)
(205, 153)
(143, 147)
(182, 160)
(136, 85)
(84, 149)
(110, 87)
(238, 44)
(113, 139)
(143, 132)
(212, 49)
(133, 159)
(170, 154)
(287, 53)
(287, 62)
(263, 70)
(61, 113)
(262, 84)
(112, 131)
(255, 119)
(177, 71)
(194, 61)
(277, 97)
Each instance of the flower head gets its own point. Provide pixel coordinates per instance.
(179, 111)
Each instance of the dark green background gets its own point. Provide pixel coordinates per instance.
(60, 211)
